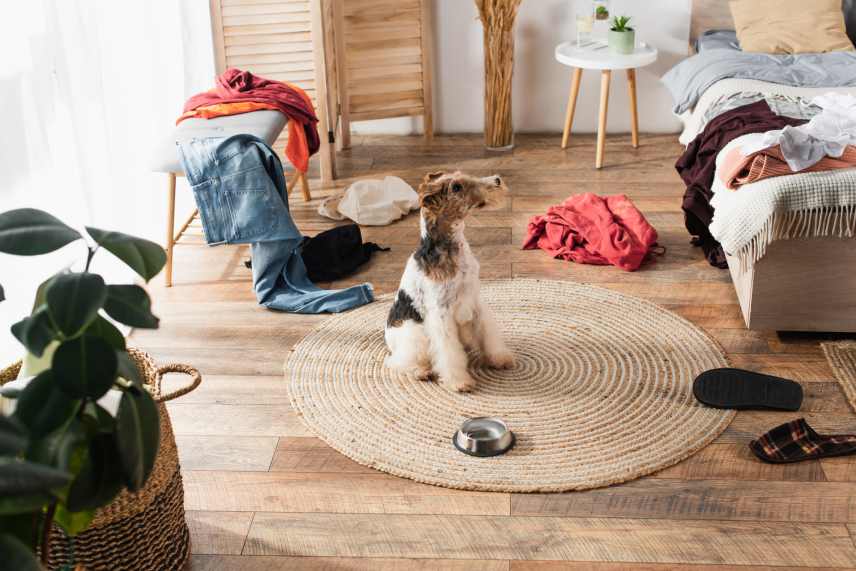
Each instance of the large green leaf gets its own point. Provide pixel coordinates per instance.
(13, 437)
(15, 555)
(143, 256)
(35, 332)
(9, 392)
(130, 304)
(98, 420)
(74, 300)
(30, 232)
(41, 293)
(138, 436)
(102, 328)
(24, 503)
(85, 367)
(59, 448)
(19, 525)
(100, 478)
(128, 369)
(42, 407)
(19, 477)
(73, 522)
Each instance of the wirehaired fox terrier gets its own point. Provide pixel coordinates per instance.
(438, 314)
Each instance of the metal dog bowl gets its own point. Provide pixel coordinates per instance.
(483, 436)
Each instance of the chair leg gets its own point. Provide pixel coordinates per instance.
(170, 229)
(300, 178)
(304, 187)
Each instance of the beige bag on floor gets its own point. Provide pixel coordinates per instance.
(373, 202)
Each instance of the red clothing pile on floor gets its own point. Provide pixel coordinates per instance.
(589, 229)
(237, 89)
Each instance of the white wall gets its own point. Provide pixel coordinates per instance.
(541, 84)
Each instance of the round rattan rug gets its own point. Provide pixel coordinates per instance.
(601, 394)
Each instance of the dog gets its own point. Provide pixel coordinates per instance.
(437, 313)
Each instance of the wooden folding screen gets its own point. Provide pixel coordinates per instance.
(278, 39)
(357, 59)
(383, 61)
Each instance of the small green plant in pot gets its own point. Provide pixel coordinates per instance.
(622, 38)
(601, 13)
(63, 454)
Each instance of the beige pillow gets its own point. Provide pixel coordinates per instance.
(790, 26)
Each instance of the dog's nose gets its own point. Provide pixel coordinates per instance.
(497, 181)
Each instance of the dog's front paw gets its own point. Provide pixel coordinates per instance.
(501, 360)
(423, 374)
(463, 383)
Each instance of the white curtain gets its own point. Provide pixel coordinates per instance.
(87, 88)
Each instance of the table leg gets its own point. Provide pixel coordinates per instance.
(634, 116)
(572, 105)
(605, 77)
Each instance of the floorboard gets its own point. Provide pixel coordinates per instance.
(551, 538)
(262, 492)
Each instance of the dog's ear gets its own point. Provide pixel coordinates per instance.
(433, 176)
(430, 191)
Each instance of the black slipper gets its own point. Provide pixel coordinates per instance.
(742, 390)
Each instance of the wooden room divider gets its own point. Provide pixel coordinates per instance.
(277, 39)
(384, 59)
(357, 59)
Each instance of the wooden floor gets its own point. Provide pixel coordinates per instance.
(263, 493)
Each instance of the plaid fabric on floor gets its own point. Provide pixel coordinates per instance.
(796, 440)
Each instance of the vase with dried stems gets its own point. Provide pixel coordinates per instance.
(497, 17)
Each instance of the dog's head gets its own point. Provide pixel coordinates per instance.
(451, 196)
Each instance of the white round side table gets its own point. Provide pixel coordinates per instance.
(599, 56)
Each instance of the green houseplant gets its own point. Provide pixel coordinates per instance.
(62, 454)
(601, 13)
(622, 38)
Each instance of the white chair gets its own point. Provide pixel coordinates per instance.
(266, 125)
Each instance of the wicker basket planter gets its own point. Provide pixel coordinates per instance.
(138, 531)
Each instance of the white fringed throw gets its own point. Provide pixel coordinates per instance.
(809, 205)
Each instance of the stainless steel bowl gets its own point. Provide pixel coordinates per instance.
(483, 436)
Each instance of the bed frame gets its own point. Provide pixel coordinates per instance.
(709, 15)
(799, 285)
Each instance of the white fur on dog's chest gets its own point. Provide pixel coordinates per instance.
(459, 294)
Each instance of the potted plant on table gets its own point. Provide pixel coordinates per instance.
(84, 427)
(622, 38)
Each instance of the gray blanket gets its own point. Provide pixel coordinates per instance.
(720, 58)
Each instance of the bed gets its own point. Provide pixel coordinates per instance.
(788, 241)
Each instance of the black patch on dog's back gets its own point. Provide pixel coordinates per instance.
(402, 310)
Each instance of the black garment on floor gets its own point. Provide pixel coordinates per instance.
(697, 167)
(336, 253)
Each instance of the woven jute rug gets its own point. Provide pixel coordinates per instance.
(842, 359)
(601, 394)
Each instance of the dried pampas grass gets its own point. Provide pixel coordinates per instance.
(497, 17)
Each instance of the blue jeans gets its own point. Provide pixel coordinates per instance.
(240, 191)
